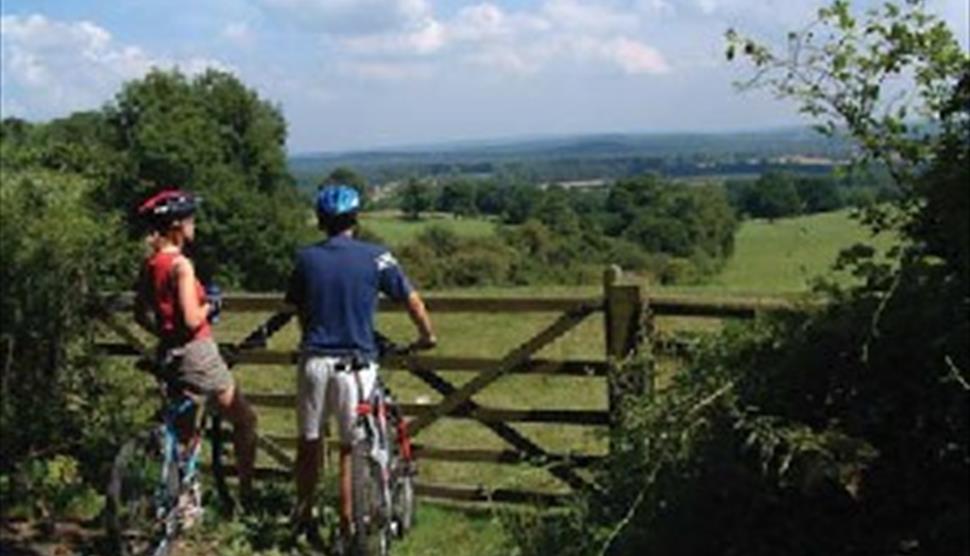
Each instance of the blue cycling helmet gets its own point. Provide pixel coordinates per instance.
(337, 199)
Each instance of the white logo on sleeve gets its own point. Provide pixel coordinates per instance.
(385, 261)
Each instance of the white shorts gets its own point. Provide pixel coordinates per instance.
(322, 390)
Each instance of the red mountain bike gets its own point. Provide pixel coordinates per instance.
(383, 467)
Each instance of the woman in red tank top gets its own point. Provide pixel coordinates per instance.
(171, 303)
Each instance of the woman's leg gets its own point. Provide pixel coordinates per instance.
(234, 407)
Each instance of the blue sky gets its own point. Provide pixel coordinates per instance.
(352, 74)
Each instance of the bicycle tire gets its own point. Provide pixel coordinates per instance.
(371, 534)
(404, 502)
(137, 505)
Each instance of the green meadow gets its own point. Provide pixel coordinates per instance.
(391, 228)
(779, 257)
(786, 255)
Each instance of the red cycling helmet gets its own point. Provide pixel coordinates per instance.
(167, 206)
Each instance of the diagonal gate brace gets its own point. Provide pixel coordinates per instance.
(562, 471)
(513, 359)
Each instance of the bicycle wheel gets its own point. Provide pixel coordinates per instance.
(371, 534)
(142, 495)
(402, 484)
(403, 501)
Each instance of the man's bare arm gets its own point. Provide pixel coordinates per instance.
(419, 316)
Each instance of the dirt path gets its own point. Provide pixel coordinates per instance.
(23, 538)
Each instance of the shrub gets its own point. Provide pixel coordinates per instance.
(57, 396)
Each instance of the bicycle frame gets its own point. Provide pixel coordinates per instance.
(374, 414)
(185, 459)
(372, 418)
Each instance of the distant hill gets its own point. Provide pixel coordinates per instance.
(546, 159)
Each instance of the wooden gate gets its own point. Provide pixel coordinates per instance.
(628, 316)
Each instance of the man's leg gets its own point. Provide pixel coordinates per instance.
(234, 407)
(307, 474)
(350, 390)
(346, 487)
(313, 375)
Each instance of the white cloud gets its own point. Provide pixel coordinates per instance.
(350, 17)
(504, 59)
(655, 7)
(707, 7)
(488, 22)
(426, 38)
(237, 32)
(521, 42)
(635, 57)
(587, 17)
(52, 67)
(383, 71)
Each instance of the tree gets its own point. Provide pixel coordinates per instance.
(458, 198)
(519, 202)
(773, 196)
(489, 198)
(818, 194)
(674, 219)
(556, 212)
(58, 251)
(415, 198)
(214, 136)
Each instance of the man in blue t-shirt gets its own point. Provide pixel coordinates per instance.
(334, 288)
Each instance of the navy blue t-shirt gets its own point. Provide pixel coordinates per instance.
(335, 287)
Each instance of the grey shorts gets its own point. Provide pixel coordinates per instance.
(201, 368)
(323, 390)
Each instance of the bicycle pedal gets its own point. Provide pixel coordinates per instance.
(190, 510)
(190, 517)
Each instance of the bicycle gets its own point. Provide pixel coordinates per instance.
(382, 465)
(155, 491)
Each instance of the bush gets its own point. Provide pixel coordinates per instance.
(439, 258)
(843, 430)
(57, 396)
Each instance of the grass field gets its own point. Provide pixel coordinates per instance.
(395, 231)
(785, 255)
(782, 256)
(775, 258)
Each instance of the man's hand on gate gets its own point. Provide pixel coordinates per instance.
(425, 343)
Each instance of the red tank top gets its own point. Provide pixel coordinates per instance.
(168, 314)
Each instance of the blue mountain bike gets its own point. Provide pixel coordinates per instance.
(155, 492)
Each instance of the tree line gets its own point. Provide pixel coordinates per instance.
(672, 231)
(781, 194)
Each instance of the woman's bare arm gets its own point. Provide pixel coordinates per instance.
(193, 312)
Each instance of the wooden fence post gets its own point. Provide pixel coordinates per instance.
(624, 306)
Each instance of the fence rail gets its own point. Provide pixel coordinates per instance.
(660, 304)
(629, 311)
(591, 367)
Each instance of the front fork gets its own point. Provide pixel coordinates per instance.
(372, 419)
(185, 454)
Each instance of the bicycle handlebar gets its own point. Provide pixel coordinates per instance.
(387, 347)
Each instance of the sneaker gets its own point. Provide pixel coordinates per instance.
(190, 506)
